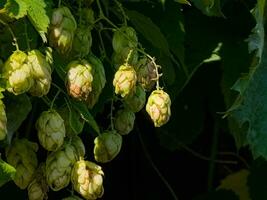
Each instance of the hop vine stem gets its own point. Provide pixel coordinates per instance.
(12, 34)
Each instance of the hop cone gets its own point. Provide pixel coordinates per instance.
(125, 80)
(82, 41)
(120, 58)
(78, 145)
(37, 189)
(3, 121)
(51, 130)
(17, 73)
(88, 16)
(59, 165)
(79, 79)
(124, 121)
(124, 37)
(41, 73)
(146, 74)
(22, 155)
(99, 80)
(87, 179)
(62, 28)
(137, 101)
(158, 107)
(107, 146)
(72, 198)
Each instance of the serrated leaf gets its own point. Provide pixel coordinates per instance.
(149, 30)
(86, 115)
(37, 14)
(15, 9)
(17, 109)
(7, 172)
(209, 7)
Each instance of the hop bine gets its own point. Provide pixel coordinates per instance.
(107, 146)
(87, 179)
(158, 107)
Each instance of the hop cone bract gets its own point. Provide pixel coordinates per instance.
(51, 130)
(21, 154)
(158, 107)
(137, 101)
(107, 146)
(87, 179)
(124, 121)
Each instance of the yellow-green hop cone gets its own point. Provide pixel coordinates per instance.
(59, 165)
(51, 130)
(99, 80)
(41, 73)
(82, 41)
(124, 121)
(87, 179)
(158, 107)
(124, 37)
(17, 73)
(107, 146)
(73, 197)
(21, 154)
(62, 28)
(3, 121)
(137, 101)
(125, 80)
(37, 189)
(79, 79)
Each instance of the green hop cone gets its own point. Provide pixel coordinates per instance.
(146, 74)
(88, 17)
(41, 73)
(99, 80)
(17, 73)
(124, 37)
(62, 29)
(137, 101)
(124, 121)
(119, 58)
(59, 165)
(37, 189)
(79, 79)
(82, 41)
(158, 107)
(51, 130)
(3, 121)
(87, 179)
(21, 154)
(125, 80)
(78, 145)
(73, 197)
(107, 146)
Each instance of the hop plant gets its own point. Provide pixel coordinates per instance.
(79, 79)
(37, 189)
(78, 145)
(123, 38)
(82, 41)
(107, 146)
(146, 74)
(158, 107)
(51, 130)
(99, 80)
(21, 154)
(120, 57)
(59, 165)
(87, 179)
(124, 121)
(62, 29)
(125, 80)
(41, 73)
(17, 73)
(3, 121)
(137, 101)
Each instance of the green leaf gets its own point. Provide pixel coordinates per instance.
(37, 14)
(15, 8)
(209, 7)
(86, 115)
(17, 109)
(149, 30)
(7, 172)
